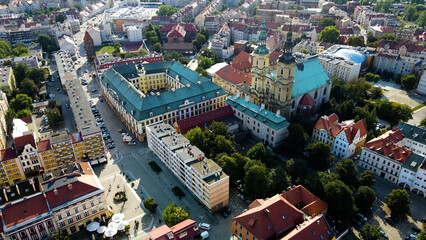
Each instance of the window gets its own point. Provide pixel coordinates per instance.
(71, 220)
(76, 210)
(94, 211)
(68, 213)
(61, 224)
(86, 214)
(78, 217)
(59, 217)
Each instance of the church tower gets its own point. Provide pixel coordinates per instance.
(260, 68)
(285, 74)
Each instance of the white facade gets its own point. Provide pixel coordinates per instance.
(342, 147)
(381, 165)
(421, 88)
(414, 177)
(396, 65)
(67, 44)
(134, 34)
(95, 33)
(340, 68)
(30, 159)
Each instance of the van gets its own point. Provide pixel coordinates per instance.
(127, 138)
(204, 226)
(204, 235)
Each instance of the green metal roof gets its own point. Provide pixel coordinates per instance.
(413, 132)
(133, 101)
(128, 70)
(413, 162)
(308, 76)
(253, 110)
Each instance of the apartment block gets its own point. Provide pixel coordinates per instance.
(4, 106)
(11, 166)
(200, 175)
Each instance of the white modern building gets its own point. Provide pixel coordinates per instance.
(67, 44)
(200, 175)
(413, 174)
(270, 127)
(340, 68)
(134, 33)
(415, 138)
(421, 87)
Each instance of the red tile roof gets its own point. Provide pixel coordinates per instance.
(205, 118)
(312, 205)
(189, 27)
(44, 145)
(21, 141)
(244, 60)
(330, 127)
(183, 225)
(411, 47)
(307, 100)
(273, 218)
(87, 35)
(27, 120)
(234, 75)
(387, 148)
(315, 229)
(8, 153)
(178, 31)
(162, 232)
(63, 194)
(24, 210)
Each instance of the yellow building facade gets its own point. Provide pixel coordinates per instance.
(11, 167)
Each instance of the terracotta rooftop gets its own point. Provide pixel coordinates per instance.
(189, 27)
(324, 123)
(234, 75)
(411, 47)
(274, 217)
(313, 229)
(21, 141)
(8, 153)
(387, 148)
(24, 210)
(205, 118)
(27, 120)
(301, 196)
(177, 31)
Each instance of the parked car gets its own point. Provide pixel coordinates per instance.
(111, 146)
(383, 234)
(121, 130)
(204, 226)
(94, 90)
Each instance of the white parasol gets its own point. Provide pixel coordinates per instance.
(93, 226)
(118, 217)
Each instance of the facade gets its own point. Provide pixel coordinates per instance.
(413, 174)
(269, 127)
(67, 44)
(95, 34)
(278, 217)
(4, 106)
(13, 171)
(345, 139)
(106, 61)
(185, 230)
(415, 138)
(340, 68)
(233, 80)
(134, 34)
(421, 87)
(163, 91)
(89, 45)
(201, 176)
(7, 77)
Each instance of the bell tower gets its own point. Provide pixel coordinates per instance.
(285, 74)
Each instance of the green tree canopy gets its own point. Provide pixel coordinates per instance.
(366, 178)
(340, 200)
(393, 111)
(205, 63)
(20, 72)
(258, 152)
(329, 34)
(157, 47)
(220, 128)
(196, 137)
(278, 181)
(54, 115)
(20, 102)
(44, 41)
(173, 215)
(409, 81)
(388, 36)
(327, 21)
(421, 21)
(166, 10)
(347, 172)
(369, 232)
(150, 204)
(398, 202)
(355, 41)
(296, 140)
(29, 88)
(423, 122)
(223, 145)
(256, 181)
(57, 236)
(38, 75)
(229, 166)
(364, 198)
(383, 6)
(23, 113)
(296, 168)
(319, 156)
(60, 18)
(304, 51)
(371, 77)
(410, 13)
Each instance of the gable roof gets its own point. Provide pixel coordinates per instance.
(313, 206)
(417, 134)
(308, 76)
(177, 31)
(312, 229)
(44, 145)
(27, 120)
(8, 153)
(327, 124)
(205, 118)
(274, 217)
(234, 75)
(21, 141)
(387, 148)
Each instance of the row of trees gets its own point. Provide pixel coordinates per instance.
(415, 12)
(6, 49)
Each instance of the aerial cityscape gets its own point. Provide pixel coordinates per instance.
(213, 119)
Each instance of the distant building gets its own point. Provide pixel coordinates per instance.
(67, 44)
(180, 32)
(4, 106)
(345, 139)
(269, 127)
(95, 34)
(415, 138)
(186, 230)
(134, 34)
(30, 61)
(89, 45)
(340, 68)
(106, 61)
(421, 87)
(203, 177)
(7, 78)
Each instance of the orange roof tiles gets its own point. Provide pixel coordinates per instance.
(44, 145)
(330, 127)
(23, 210)
(234, 75)
(8, 153)
(387, 148)
(315, 229)
(312, 205)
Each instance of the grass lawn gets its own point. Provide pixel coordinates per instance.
(419, 106)
(104, 49)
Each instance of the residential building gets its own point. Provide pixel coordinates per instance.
(384, 157)
(76, 199)
(4, 106)
(7, 77)
(421, 87)
(46, 155)
(269, 127)
(27, 152)
(278, 217)
(67, 44)
(379, 30)
(89, 46)
(161, 91)
(202, 177)
(11, 167)
(415, 138)
(233, 80)
(134, 34)
(30, 61)
(221, 40)
(222, 114)
(413, 174)
(185, 230)
(95, 34)
(345, 139)
(212, 23)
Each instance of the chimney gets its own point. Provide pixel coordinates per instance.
(69, 186)
(55, 191)
(278, 113)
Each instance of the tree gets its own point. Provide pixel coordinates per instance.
(347, 172)
(258, 152)
(423, 122)
(296, 140)
(205, 63)
(157, 47)
(296, 168)
(256, 181)
(241, 161)
(376, 92)
(409, 81)
(229, 166)
(20, 72)
(421, 21)
(278, 181)
(166, 10)
(57, 236)
(393, 111)
(221, 144)
(364, 198)
(383, 6)
(410, 13)
(38, 75)
(253, 12)
(197, 138)
(54, 116)
(330, 34)
(28, 87)
(366, 178)
(355, 41)
(173, 215)
(319, 156)
(117, 47)
(369, 232)
(60, 18)
(304, 51)
(23, 113)
(422, 234)
(340, 200)
(398, 202)
(388, 36)
(327, 21)
(219, 128)
(150, 204)
(370, 37)
(20, 102)
(371, 77)
(44, 41)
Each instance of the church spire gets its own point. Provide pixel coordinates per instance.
(262, 49)
(287, 56)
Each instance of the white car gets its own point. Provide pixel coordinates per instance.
(204, 226)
